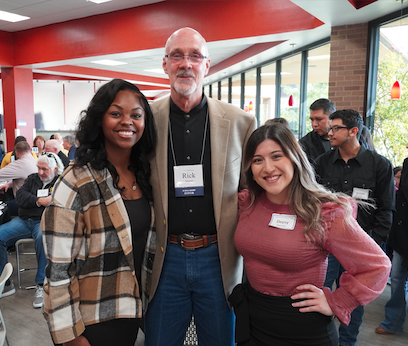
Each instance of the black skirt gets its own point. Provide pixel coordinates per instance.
(264, 320)
(122, 331)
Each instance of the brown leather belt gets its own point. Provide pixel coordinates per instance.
(190, 242)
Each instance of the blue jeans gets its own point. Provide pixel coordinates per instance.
(396, 307)
(17, 229)
(190, 284)
(347, 334)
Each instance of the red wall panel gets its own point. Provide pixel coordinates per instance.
(6, 49)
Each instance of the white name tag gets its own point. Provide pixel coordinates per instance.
(188, 180)
(283, 221)
(34, 150)
(360, 193)
(42, 193)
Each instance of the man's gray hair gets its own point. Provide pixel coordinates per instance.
(70, 139)
(52, 160)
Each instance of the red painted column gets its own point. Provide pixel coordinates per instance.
(18, 103)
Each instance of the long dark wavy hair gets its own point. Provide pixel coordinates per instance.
(92, 140)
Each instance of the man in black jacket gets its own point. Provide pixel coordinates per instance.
(317, 142)
(396, 307)
(32, 198)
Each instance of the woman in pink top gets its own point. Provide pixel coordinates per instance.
(288, 225)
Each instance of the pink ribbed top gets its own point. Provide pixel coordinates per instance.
(278, 260)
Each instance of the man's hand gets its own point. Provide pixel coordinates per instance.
(5, 187)
(44, 201)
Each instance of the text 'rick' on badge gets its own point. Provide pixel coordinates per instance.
(188, 180)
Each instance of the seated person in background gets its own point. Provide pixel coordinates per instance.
(1, 150)
(397, 176)
(32, 198)
(58, 137)
(39, 143)
(17, 171)
(70, 145)
(11, 156)
(52, 146)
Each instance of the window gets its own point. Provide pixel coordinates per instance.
(224, 90)
(290, 90)
(268, 90)
(250, 91)
(391, 116)
(214, 92)
(318, 65)
(236, 90)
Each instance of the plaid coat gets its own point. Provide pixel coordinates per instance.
(90, 276)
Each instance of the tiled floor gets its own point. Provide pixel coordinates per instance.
(27, 327)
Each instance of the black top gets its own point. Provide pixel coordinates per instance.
(140, 217)
(368, 170)
(314, 145)
(26, 197)
(64, 158)
(194, 214)
(399, 232)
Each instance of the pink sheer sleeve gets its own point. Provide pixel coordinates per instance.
(366, 265)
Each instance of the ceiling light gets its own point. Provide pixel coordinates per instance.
(12, 17)
(109, 62)
(99, 1)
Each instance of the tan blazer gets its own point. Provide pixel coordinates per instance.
(230, 128)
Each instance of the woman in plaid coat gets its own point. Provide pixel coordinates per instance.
(98, 230)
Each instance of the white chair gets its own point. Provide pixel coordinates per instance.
(8, 269)
(19, 245)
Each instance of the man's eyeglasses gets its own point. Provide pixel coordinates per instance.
(50, 155)
(194, 58)
(335, 128)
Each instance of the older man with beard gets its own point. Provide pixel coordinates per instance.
(32, 198)
(195, 180)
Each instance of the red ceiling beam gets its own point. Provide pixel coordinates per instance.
(6, 49)
(361, 3)
(44, 76)
(148, 27)
(100, 73)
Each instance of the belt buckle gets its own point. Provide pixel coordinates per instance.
(180, 240)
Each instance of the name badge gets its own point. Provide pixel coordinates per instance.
(34, 150)
(360, 193)
(283, 221)
(42, 193)
(188, 180)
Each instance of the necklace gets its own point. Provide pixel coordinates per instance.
(134, 186)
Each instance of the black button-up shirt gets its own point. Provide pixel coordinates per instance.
(193, 214)
(368, 170)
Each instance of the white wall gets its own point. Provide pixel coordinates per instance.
(58, 104)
